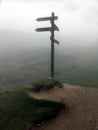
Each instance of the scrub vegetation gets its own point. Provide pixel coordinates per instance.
(46, 84)
(17, 110)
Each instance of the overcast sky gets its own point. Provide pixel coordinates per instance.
(78, 19)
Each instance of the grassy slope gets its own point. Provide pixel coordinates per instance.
(23, 68)
(17, 109)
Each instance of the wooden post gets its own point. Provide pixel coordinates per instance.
(52, 29)
(52, 45)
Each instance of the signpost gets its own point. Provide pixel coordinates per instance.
(52, 29)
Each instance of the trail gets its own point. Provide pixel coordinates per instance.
(83, 108)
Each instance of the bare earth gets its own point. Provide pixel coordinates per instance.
(83, 108)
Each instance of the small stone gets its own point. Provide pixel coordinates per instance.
(96, 128)
(38, 125)
(90, 119)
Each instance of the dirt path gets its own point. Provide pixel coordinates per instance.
(83, 104)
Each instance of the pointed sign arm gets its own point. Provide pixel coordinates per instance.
(46, 29)
(47, 18)
(56, 27)
(56, 41)
(43, 29)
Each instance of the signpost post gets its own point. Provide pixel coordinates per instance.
(52, 29)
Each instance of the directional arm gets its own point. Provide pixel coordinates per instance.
(56, 41)
(47, 29)
(56, 28)
(43, 29)
(46, 18)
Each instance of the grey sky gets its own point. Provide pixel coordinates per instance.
(78, 19)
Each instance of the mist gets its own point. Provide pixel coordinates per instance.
(77, 19)
(23, 50)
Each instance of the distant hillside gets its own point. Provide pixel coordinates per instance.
(22, 65)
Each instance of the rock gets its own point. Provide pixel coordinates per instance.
(96, 128)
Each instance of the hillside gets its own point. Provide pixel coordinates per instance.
(18, 111)
(24, 58)
(78, 67)
(83, 108)
(54, 107)
(23, 61)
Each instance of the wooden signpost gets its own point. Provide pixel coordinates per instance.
(52, 29)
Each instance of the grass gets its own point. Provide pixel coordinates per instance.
(17, 110)
(46, 84)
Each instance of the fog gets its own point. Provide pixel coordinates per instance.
(22, 49)
(78, 21)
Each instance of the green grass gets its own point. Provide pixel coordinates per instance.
(17, 109)
(45, 84)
